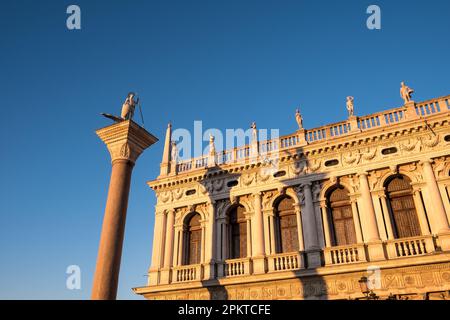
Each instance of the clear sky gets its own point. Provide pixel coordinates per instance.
(227, 63)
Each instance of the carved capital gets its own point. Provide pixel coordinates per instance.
(126, 140)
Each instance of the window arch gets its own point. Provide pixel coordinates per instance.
(340, 211)
(285, 225)
(399, 195)
(237, 233)
(193, 239)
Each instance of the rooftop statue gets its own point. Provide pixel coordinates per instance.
(299, 119)
(406, 92)
(350, 106)
(254, 131)
(212, 147)
(174, 152)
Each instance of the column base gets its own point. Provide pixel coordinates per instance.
(313, 259)
(259, 265)
(444, 241)
(153, 277)
(209, 270)
(375, 251)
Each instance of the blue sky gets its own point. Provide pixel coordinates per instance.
(227, 63)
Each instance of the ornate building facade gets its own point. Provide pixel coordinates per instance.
(332, 204)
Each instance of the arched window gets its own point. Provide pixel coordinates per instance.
(193, 238)
(399, 194)
(237, 233)
(341, 216)
(286, 233)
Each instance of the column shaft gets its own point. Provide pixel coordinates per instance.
(110, 249)
(369, 221)
(168, 252)
(438, 217)
(258, 227)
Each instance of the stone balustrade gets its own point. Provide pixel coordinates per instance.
(187, 273)
(237, 267)
(310, 136)
(285, 262)
(408, 247)
(345, 254)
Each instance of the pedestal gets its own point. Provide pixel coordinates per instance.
(125, 141)
(375, 251)
(259, 265)
(313, 259)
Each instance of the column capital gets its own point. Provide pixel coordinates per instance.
(362, 174)
(426, 162)
(126, 140)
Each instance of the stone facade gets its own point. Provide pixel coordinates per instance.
(361, 156)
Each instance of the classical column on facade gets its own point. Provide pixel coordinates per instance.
(420, 210)
(356, 218)
(259, 261)
(376, 197)
(158, 248)
(444, 188)
(221, 245)
(316, 191)
(386, 214)
(436, 211)
(125, 141)
(298, 214)
(210, 235)
(248, 218)
(168, 247)
(326, 223)
(269, 231)
(312, 247)
(369, 221)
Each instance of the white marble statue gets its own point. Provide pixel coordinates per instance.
(174, 152)
(406, 92)
(254, 132)
(212, 146)
(350, 106)
(299, 119)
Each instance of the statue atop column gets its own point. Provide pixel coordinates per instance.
(299, 119)
(406, 92)
(128, 106)
(350, 106)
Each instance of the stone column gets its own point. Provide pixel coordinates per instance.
(421, 215)
(220, 245)
(379, 213)
(355, 212)
(437, 215)
(157, 251)
(125, 141)
(312, 247)
(176, 247)
(258, 237)
(301, 243)
(269, 231)
(209, 272)
(387, 217)
(249, 237)
(369, 221)
(326, 223)
(168, 247)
